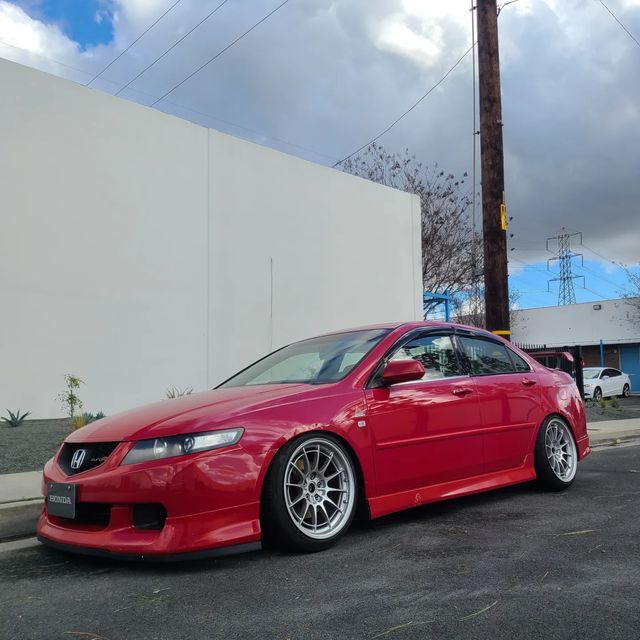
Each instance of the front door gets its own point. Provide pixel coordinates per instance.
(509, 397)
(427, 431)
(611, 385)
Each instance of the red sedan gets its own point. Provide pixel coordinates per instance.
(384, 417)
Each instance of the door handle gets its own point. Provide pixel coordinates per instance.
(528, 382)
(461, 391)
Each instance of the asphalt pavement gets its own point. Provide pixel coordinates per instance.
(513, 563)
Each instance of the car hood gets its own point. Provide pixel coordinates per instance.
(195, 412)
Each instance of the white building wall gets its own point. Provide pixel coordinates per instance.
(583, 324)
(141, 251)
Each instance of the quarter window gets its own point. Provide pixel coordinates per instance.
(486, 357)
(519, 362)
(435, 353)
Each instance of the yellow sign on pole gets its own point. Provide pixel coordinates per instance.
(503, 216)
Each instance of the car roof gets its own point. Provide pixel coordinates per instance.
(412, 324)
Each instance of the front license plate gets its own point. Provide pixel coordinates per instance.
(61, 499)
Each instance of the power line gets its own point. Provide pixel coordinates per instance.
(530, 266)
(217, 55)
(177, 2)
(597, 275)
(595, 293)
(173, 46)
(410, 109)
(45, 57)
(175, 104)
(615, 17)
(600, 255)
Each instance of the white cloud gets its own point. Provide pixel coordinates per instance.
(327, 76)
(21, 32)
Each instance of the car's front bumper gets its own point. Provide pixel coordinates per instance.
(209, 499)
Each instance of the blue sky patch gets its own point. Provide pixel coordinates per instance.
(87, 22)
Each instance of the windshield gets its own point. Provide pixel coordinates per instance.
(315, 361)
(591, 373)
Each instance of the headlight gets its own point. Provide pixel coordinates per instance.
(160, 448)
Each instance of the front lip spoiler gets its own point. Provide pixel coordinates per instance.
(218, 552)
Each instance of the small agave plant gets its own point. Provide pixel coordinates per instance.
(15, 419)
(177, 392)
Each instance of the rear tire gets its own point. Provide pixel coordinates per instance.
(310, 494)
(626, 391)
(555, 455)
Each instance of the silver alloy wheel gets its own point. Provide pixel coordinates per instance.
(319, 488)
(626, 391)
(561, 450)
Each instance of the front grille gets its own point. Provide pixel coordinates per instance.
(75, 458)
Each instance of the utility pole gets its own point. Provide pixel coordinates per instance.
(494, 213)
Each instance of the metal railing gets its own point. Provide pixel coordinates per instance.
(567, 359)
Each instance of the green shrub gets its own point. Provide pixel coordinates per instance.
(92, 417)
(615, 403)
(15, 419)
(603, 405)
(69, 398)
(176, 392)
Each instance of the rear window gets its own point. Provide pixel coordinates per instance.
(486, 357)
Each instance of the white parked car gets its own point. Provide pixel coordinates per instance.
(602, 382)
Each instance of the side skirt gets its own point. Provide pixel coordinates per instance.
(383, 505)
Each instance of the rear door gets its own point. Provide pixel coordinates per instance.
(509, 397)
(617, 381)
(426, 431)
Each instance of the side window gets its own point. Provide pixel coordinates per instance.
(612, 373)
(486, 357)
(519, 363)
(435, 353)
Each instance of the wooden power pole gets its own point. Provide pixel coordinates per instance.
(494, 214)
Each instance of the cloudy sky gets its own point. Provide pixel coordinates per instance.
(319, 78)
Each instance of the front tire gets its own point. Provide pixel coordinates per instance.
(597, 394)
(556, 455)
(310, 495)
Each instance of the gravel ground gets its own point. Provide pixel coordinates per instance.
(629, 408)
(29, 446)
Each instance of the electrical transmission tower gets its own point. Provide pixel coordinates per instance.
(564, 256)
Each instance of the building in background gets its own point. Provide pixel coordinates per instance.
(608, 331)
(140, 251)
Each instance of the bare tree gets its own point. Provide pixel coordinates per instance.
(632, 291)
(468, 308)
(447, 235)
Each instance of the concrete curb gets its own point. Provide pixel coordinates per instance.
(18, 519)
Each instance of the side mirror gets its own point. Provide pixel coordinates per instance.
(397, 371)
(605, 378)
